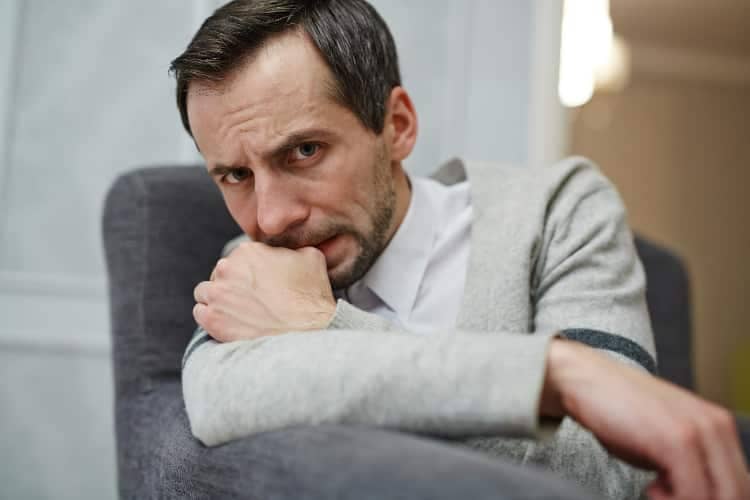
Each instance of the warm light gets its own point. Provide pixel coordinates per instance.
(613, 75)
(590, 56)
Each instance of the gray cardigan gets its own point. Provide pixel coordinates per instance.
(551, 254)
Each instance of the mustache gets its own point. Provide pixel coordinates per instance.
(306, 238)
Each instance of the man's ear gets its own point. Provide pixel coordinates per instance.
(400, 124)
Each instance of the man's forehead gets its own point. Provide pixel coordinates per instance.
(286, 65)
(285, 78)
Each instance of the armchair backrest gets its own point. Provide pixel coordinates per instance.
(668, 297)
(163, 230)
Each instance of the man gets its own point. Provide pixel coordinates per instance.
(464, 306)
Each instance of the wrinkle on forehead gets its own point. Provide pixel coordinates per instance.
(286, 85)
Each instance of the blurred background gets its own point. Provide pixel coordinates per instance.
(657, 93)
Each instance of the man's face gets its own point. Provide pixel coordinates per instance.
(297, 169)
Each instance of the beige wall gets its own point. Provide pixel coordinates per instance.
(679, 152)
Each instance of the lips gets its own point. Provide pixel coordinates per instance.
(325, 245)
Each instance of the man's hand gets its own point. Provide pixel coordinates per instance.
(691, 443)
(260, 290)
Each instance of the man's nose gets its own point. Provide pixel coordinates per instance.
(279, 206)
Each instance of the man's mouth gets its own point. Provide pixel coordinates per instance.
(325, 245)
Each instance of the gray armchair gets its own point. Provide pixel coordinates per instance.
(163, 230)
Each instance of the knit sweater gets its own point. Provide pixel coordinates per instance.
(551, 254)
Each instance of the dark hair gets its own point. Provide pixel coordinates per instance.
(351, 36)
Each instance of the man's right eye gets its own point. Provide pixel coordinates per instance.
(236, 176)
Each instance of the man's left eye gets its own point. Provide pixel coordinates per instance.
(306, 150)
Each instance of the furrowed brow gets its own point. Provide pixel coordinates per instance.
(287, 144)
(220, 170)
(295, 139)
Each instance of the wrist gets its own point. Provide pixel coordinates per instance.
(323, 316)
(565, 372)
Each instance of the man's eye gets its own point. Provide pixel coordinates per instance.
(236, 176)
(304, 151)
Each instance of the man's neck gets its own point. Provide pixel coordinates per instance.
(402, 186)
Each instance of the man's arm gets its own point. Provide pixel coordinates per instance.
(233, 389)
(691, 443)
(585, 275)
(434, 384)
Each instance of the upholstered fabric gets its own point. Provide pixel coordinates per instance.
(668, 297)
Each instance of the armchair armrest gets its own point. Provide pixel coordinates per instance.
(324, 461)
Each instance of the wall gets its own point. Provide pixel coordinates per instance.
(675, 143)
(85, 95)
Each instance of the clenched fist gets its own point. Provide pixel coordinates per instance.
(260, 290)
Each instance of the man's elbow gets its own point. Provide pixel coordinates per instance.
(200, 430)
(200, 418)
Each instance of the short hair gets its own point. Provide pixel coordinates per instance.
(353, 39)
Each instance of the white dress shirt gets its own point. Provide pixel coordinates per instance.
(418, 280)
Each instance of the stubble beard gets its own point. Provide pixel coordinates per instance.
(370, 245)
(373, 244)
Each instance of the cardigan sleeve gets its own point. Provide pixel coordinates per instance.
(432, 384)
(588, 280)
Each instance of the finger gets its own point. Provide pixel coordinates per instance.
(743, 475)
(198, 310)
(201, 292)
(309, 251)
(659, 489)
(219, 269)
(738, 458)
(688, 474)
(725, 462)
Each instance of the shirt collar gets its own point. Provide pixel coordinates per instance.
(397, 274)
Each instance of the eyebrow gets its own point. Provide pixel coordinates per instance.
(221, 170)
(284, 146)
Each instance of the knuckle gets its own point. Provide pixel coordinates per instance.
(715, 421)
(313, 254)
(212, 321)
(249, 246)
(248, 251)
(724, 421)
(221, 268)
(207, 293)
(199, 292)
(688, 435)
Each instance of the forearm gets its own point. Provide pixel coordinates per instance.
(435, 384)
(449, 383)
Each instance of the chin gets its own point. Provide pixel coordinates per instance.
(340, 276)
(352, 265)
(344, 273)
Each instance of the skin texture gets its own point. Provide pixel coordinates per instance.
(321, 195)
(692, 443)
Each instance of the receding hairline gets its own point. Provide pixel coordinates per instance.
(351, 36)
(223, 84)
